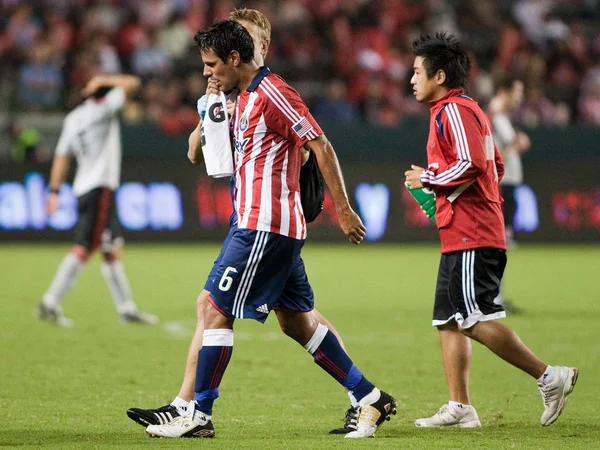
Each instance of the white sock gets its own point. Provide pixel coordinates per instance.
(547, 377)
(180, 404)
(370, 398)
(457, 406)
(66, 275)
(353, 400)
(118, 285)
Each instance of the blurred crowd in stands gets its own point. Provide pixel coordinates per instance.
(350, 59)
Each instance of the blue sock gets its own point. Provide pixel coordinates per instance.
(329, 355)
(213, 359)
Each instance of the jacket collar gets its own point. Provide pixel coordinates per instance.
(451, 93)
(262, 72)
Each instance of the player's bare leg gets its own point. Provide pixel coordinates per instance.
(186, 392)
(505, 343)
(456, 356)
(555, 383)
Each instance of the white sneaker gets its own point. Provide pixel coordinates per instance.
(193, 424)
(447, 416)
(555, 394)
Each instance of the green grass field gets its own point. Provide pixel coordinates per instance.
(70, 388)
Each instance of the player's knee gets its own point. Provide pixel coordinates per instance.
(109, 257)
(213, 318)
(81, 252)
(449, 326)
(201, 302)
(298, 326)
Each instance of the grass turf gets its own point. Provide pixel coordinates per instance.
(70, 388)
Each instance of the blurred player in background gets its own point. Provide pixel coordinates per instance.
(259, 28)
(511, 143)
(261, 269)
(463, 170)
(91, 133)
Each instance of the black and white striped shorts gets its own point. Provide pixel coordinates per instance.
(467, 284)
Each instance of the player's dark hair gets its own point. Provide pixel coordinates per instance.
(444, 52)
(101, 92)
(224, 37)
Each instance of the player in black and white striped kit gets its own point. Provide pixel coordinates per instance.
(91, 133)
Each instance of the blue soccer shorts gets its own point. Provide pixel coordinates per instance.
(257, 272)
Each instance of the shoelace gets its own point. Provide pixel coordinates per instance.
(442, 410)
(545, 395)
(351, 418)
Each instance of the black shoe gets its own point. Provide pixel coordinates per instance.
(350, 424)
(373, 415)
(159, 416)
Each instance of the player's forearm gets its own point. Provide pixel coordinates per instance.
(195, 145)
(129, 83)
(332, 173)
(454, 174)
(58, 173)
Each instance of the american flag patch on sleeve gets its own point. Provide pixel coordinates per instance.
(302, 127)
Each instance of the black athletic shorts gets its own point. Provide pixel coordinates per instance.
(468, 282)
(97, 225)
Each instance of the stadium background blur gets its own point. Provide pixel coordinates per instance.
(351, 62)
(70, 388)
(349, 59)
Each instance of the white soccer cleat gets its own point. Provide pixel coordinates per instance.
(554, 395)
(448, 416)
(373, 415)
(193, 424)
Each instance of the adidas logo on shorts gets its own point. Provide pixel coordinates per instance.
(263, 309)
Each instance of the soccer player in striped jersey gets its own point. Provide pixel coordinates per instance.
(464, 168)
(259, 28)
(91, 133)
(261, 269)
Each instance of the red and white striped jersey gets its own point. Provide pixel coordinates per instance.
(270, 124)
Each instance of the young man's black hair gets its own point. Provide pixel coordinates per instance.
(444, 52)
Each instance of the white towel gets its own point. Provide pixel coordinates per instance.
(216, 147)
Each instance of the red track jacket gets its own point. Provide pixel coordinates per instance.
(464, 169)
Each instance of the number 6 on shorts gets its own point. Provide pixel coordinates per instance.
(226, 281)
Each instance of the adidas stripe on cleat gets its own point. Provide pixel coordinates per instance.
(350, 424)
(159, 416)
